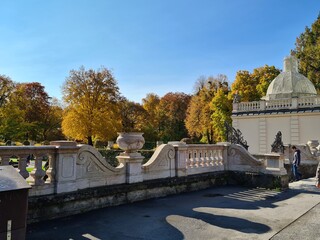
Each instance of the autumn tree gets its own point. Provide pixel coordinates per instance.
(172, 113)
(307, 50)
(133, 115)
(92, 111)
(199, 113)
(246, 86)
(253, 86)
(151, 127)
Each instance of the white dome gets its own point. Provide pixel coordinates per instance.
(290, 83)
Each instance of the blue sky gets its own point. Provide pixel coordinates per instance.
(151, 46)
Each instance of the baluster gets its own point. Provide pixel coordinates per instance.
(216, 158)
(210, 159)
(5, 160)
(200, 159)
(23, 166)
(205, 159)
(38, 173)
(220, 158)
(51, 170)
(196, 160)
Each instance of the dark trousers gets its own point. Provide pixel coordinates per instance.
(297, 175)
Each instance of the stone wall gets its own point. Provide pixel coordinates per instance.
(66, 204)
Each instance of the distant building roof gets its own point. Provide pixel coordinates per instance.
(290, 83)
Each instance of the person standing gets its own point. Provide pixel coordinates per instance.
(318, 176)
(295, 163)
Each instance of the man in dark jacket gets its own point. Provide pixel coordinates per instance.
(295, 163)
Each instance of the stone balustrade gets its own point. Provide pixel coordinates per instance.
(277, 104)
(72, 167)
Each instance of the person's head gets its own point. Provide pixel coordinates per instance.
(294, 148)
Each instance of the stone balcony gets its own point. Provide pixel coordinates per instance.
(277, 104)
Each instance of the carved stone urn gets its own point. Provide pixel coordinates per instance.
(130, 142)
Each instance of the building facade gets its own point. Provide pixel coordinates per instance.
(291, 106)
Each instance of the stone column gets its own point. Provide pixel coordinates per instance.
(132, 163)
(66, 159)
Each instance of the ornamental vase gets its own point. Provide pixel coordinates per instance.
(130, 141)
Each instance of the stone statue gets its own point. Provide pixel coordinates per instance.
(236, 97)
(277, 145)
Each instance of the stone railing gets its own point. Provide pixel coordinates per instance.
(71, 167)
(277, 104)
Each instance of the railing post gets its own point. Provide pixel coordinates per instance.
(294, 104)
(66, 159)
(181, 158)
(262, 105)
(225, 159)
(133, 164)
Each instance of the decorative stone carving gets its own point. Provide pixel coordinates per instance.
(131, 141)
(277, 146)
(234, 136)
(236, 98)
(313, 145)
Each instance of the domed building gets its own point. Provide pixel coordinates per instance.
(291, 105)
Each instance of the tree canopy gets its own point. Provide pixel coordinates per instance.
(253, 86)
(92, 110)
(307, 50)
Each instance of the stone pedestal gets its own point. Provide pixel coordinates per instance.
(132, 163)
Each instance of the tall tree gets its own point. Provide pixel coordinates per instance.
(307, 51)
(34, 103)
(172, 112)
(151, 128)
(264, 76)
(92, 111)
(222, 108)
(246, 86)
(253, 86)
(133, 115)
(6, 88)
(198, 120)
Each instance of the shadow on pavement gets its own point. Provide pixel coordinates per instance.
(161, 218)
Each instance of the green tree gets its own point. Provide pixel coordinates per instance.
(198, 120)
(246, 86)
(34, 105)
(307, 50)
(92, 105)
(6, 88)
(222, 108)
(264, 76)
(253, 86)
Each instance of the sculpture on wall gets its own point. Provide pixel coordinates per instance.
(277, 145)
(236, 97)
(234, 136)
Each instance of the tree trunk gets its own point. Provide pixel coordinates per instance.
(90, 142)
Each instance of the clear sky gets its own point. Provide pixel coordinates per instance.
(151, 46)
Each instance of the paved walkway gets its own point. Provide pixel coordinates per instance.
(215, 213)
